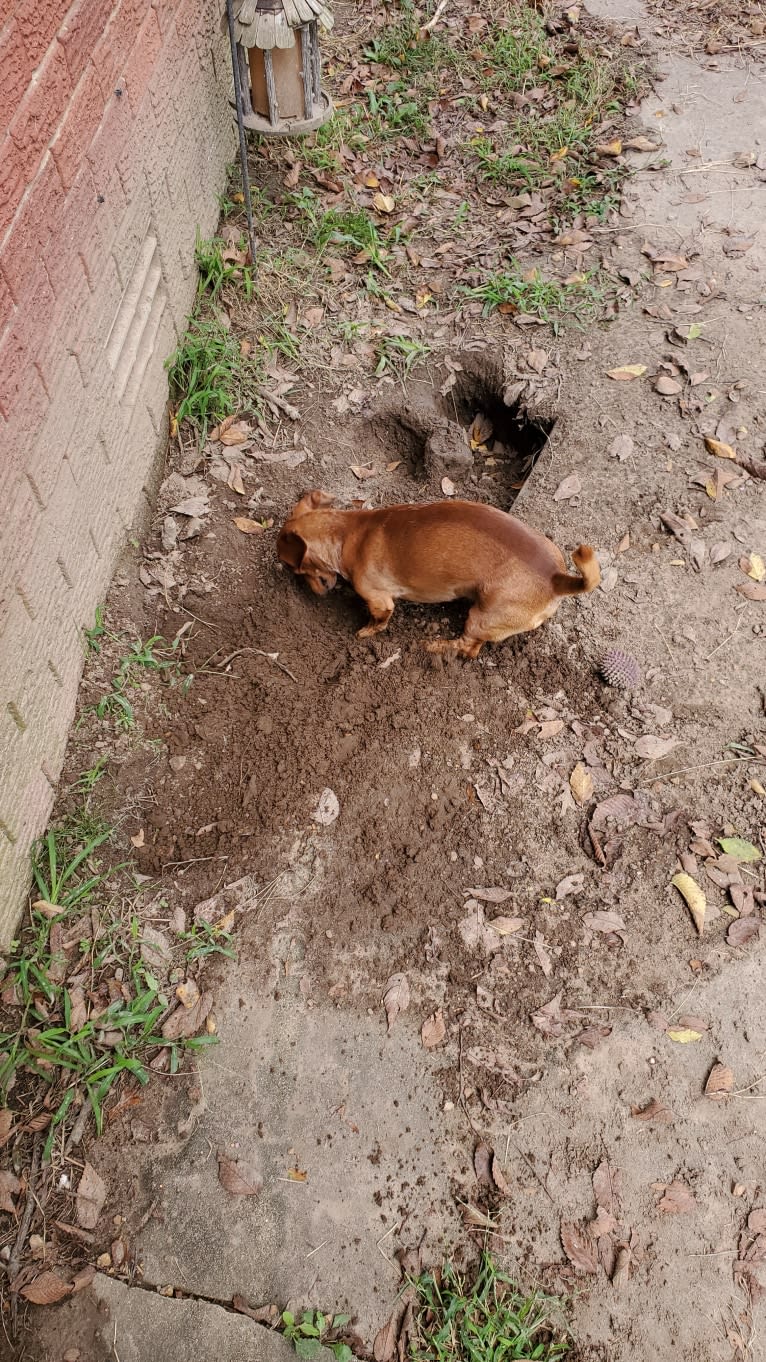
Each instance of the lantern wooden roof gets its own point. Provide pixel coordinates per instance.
(272, 23)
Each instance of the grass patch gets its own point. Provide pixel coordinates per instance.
(219, 265)
(398, 355)
(209, 377)
(487, 1320)
(314, 1335)
(530, 295)
(80, 1007)
(139, 659)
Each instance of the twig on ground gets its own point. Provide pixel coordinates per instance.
(435, 17)
(14, 1262)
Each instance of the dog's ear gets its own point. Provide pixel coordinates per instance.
(291, 548)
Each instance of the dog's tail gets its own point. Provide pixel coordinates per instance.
(566, 584)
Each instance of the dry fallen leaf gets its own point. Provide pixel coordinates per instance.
(579, 1247)
(9, 1188)
(626, 372)
(753, 591)
(493, 895)
(91, 1195)
(385, 203)
(247, 526)
(581, 783)
(613, 148)
(481, 431)
(677, 1200)
(654, 1110)
(651, 748)
(570, 487)
(621, 447)
(396, 997)
(505, 926)
(537, 360)
(137, 840)
(448, 487)
(720, 1082)
(719, 449)
(328, 808)
(362, 472)
(6, 1125)
(604, 920)
(743, 930)
(683, 1035)
(571, 884)
(754, 566)
(46, 1289)
(667, 386)
(695, 899)
(187, 1021)
(238, 1177)
(607, 1187)
(433, 1030)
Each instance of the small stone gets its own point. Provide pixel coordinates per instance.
(72, 1355)
(177, 763)
(165, 1291)
(104, 1260)
(620, 669)
(118, 1253)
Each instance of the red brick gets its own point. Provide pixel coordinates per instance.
(78, 236)
(110, 140)
(142, 60)
(11, 181)
(39, 24)
(60, 335)
(27, 415)
(36, 220)
(82, 32)
(27, 338)
(40, 111)
(14, 65)
(79, 126)
(113, 49)
(6, 303)
(164, 9)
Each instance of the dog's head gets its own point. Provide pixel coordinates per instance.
(297, 548)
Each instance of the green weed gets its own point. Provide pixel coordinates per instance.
(488, 1320)
(206, 938)
(56, 869)
(399, 355)
(312, 1335)
(534, 296)
(140, 658)
(215, 270)
(207, 374)
(94, 635)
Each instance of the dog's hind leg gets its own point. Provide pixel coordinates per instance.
(381, 608)
(483, 625)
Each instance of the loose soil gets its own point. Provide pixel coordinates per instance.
(522, 773)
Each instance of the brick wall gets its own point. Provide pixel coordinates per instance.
(114, 136)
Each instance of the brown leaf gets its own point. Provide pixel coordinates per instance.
(666, 386)
(654, 1110)
(384, 1345)
(91, 1195)
(743, 930)
(621, 1270)
(593, 1036)
(9, 1188)
(46, 1289)
(622, 809)
(627, 372)
(753, 591)
(396, 997)
(247, 526)
(571, 884)
(362, 472)
(433, 1030)
(677, 1200)
(293, 175)
(499, 1178)
(581, 783)
(607, 1188)
(570, 487)
(719, 449)
(481, 431)
(578, 1246)
(265, 1314)
(537, 360)
(187, 1021)
(83, 1278)
(720, 1082)
(551, 1018)
(621, 447)
(235, 434)
(603, 1224)
(604, 920)
(482, 1163)
(79, 1010)
(494, 895)
(238, 1177)
(544, 959)
(6, 1125)
(652, 748)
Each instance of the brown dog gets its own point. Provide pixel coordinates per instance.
(436, 551)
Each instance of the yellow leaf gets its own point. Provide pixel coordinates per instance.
(371, 180)
(391, 304)
(718, 448)
(581, 783)
(756, 568)
(421, 298)
(173, 427)
(385, 203)
(138, 838)
(694, 897)
(297, 1175)
(684, 1035)
(238, 198)
(484, 103)
(247, 526)
(757, 788)
(560, 155)
(609, 148)
(626, 372)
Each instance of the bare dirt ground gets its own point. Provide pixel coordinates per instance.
(575, 1074)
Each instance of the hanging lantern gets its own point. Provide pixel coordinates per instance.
(279, 65)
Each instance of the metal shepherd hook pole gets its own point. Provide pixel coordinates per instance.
(241, 128)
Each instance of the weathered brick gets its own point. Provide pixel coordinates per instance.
(113, 48)
(38, 25)
(12, 180)
(68, 404)
(140, 65)
(78, 126)
(38, 217)
(110, 140)
(27, 414)
(6, 303)
(81, 34)
(40, 110)
(14, 65)
(83, 234)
